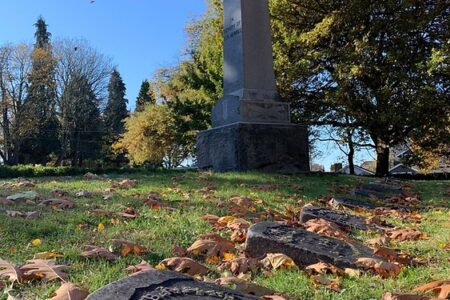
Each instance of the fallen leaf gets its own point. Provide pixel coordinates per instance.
(240, 265)
(36, 242)
(10, 271)
(90, 175)
(238, 224)
(439, 286)
(95, 251)
(59, 193)
(381, 241)
(83, 194)
(324, 268)
(140, 268)
(352, 272)
(274, 261)
(273, 297)
(69, 291)
(381, 267)
(31, 215)
(100, 227)
(58, 203)
(125, 184)
(126, 247)
(47, 255)
(178, 251)
(211, 219)
(210, 248)
(334, 285)
(323, 227)
(4, 201)
(406, 235)
(223, 221)
(244, 286)
(185, 265)
(393, 296)
(46, 270)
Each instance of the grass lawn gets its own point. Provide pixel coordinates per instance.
(159, 230)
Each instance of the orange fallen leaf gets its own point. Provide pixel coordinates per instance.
(240, 265)
(393, 296)
(210, 248)
(380, 267)
(439, 286)
(334, 285)
(126, 247)
(58, 203)
(244, 286)
(323, 227)
(10, 271)
(274, 261)
(406, 235)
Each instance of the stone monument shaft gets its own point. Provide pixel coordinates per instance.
(248, 71)
(251, 124)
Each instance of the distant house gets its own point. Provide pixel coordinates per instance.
(317, 168)
(359, 171)
(401, 169)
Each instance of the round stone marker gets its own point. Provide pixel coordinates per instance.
(165, 285)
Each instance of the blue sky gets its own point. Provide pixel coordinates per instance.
(139, 35)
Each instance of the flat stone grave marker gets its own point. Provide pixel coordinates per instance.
(382, 187)
(360, 191)
(341, 219)
(158, 285)
(304, 247)
(355, 203)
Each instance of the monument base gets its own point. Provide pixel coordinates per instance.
(279, 148)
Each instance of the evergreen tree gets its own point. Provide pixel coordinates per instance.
(116, 108)
(40, 132)
(81, 134)
(114, 116)
(146, 96)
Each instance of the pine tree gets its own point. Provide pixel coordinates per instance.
(114, 116)
(145, 96)
(116, 108)
(40, 132)
(82, 126)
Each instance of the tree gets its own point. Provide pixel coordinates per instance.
(370, 60)
(116, 107)
(81, 128)
(40, 132)
(151, 137)
(146, 96)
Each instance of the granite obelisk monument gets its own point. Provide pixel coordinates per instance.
(251, 123)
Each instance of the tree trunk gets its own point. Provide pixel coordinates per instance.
(382, 158)
(351, 150)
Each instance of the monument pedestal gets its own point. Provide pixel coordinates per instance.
(265, 147)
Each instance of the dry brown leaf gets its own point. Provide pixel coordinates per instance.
(439, 286)
(381, 241)
(58, 203)
(69, 291)
(334, 285)
(211, 219)
(239, 236)
(95, 251)
(275, 261)
(126, 247)
(102, 213)
(46, 270)
(324, 268)
(352, 272)
(274, 297)
(4, 201)
(240, 265)
(47, 255)
(393, 296)
(59, 193)
(238, 224)
(140, 268)
(380, 267)
(125, 184)
(323, 227)
(30, 215)
(244, 286)
(178, 251)
(185, 265)
(10, 271)
(406, 235)
(210, 247)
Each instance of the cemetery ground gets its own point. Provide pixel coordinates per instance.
(161, 210)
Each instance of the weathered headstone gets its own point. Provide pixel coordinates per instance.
(355, 203)
(251, 124)
(341, 219)
(304, 247)
(382, 187)
(159, 285)
(359, 191)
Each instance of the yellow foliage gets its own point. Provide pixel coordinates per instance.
(149, 136)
